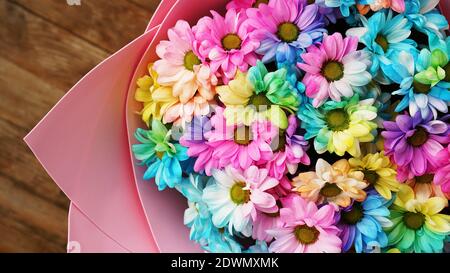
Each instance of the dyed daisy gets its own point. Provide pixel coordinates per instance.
(285, 29)
(289, 150)
(162, 157)
(376, 5)
(378, 172)
(383, 35)
(343, 5)
(306, 229)
(236, 196)
(259, 95)
(417, 224)
(340, 127)
(422, 86)
(361, 224)
(197, 144)
(265, 222)
(425, 17)
(228, 43)
(239, 145)
(241, 5)
(442, 176)
(413, 144)
(197, 216)
(331, 183)
(334, 68)
(147, 87)
(424, 185)
(180, 68)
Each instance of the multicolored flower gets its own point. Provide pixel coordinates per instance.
(339, 127)
(289, 150)
(425, 17)
(378, 172)
(413, 143)
(417, 224)
(228, 43)
(306, 229)
(239, 145)
(259, 95)
(442, 175)
(162, 157)
(384, 34)
(331, 184)
(180, 68)
(286, 28)
(361, 224)
(236, 196)
(334, 68)
(364, 6)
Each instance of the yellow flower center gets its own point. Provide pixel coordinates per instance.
(371, 176)
(190, 60)
(354, 215)
(238, 195)
(279, 142)
(447, 72)
(421, 88)
(414, 220)
(337, 120)
(260, 101)
(425, 179)
(259, 2)
(306, 235)
(419, 137)
(288, 32)
(333, 71)
(160, 154)
(382, 41)
(231, 41)
(243, 135)
(330, 190)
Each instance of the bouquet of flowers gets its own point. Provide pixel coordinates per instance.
(304, 126)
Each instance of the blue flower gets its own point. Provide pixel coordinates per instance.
(362, 224)
(425, 17)
(220, 241)
(422, 86)
(384, 35)
(163, 158)
(197, 217)
(343, 5)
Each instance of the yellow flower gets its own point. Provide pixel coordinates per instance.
(331, 183)
(424, 207)
(156, 99)
(378, 172)
(244, 106)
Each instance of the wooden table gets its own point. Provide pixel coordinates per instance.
(46, 46)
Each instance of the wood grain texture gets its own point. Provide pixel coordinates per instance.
(46, 46)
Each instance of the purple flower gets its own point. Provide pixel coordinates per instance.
(413, 143)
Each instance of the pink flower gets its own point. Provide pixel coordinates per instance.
(289, 150)
(306, 229)
(228, 43)
(240, 146)
(192, 81)
(240, 5)
(442, 175)
(333, 68)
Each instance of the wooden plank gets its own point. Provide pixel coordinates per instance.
(108, 24)
(22, 107)
(149, 5)
(44, 49)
